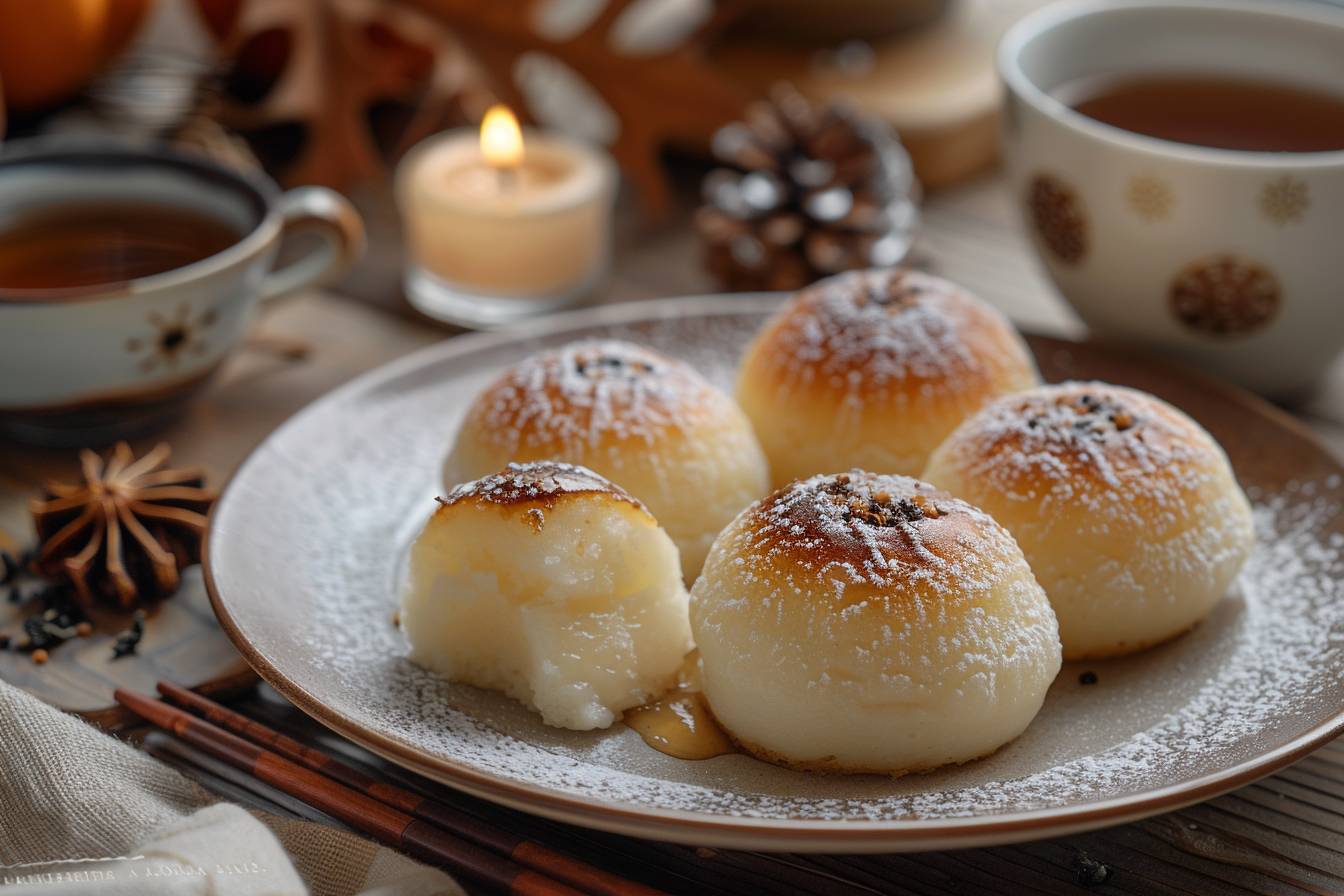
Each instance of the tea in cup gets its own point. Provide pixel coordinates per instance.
(127, 275)
(1180, 168)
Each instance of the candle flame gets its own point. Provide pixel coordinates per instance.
(501, 140)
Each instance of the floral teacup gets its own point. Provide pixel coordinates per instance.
(1229, 259)
(85, 365)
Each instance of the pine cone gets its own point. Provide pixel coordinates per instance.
(811, 192)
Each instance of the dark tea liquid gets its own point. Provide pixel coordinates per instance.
(88, 244)
(1217, 111)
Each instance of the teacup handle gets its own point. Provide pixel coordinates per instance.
(331, 216)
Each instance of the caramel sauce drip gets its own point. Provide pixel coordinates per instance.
(680, 724)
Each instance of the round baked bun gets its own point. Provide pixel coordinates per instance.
(1125, 507)
(865, 623)
(549, 583)
(872, 369)
(648, 423)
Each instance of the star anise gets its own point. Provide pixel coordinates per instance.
(124, 533)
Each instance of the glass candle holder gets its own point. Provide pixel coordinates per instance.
(488, 243)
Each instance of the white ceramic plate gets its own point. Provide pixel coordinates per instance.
(308, 544)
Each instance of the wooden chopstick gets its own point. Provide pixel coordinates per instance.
(233, 784)
(687, 869)
(363, 813)
(550, 862)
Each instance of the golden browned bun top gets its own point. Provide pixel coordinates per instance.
(1086, 439)
(536, 486)
(885, 330)
(590, 392)
(853, 536)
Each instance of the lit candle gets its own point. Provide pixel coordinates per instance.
(500, 227)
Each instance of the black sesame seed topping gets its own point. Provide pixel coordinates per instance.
(879, 508)
(1091, 415)
(896, 292)
(610, 364)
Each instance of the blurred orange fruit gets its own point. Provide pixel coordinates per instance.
(49, 50)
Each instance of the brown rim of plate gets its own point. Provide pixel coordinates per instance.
(786, 834)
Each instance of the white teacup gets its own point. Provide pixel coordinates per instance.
(1231, 260)
(84, 365)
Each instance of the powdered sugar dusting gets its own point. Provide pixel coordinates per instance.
(649, 423)
(873, 603)
(1083, 442)
(1123, 504)
(878, 531)
(581, 395)
(320, 513)
(874, 333)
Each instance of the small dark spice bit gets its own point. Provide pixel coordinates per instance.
(55, 621)
(9, 567)
(48, 629)
(1088, 677)
(129, 640)
(36, 635)
(1088, 871)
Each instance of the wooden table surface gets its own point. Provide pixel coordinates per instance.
(1282, 835)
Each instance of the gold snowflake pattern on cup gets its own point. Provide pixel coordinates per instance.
(1056, 213)
(1225, 295)
(1150, 197)
(1285, 200)
(173, 337)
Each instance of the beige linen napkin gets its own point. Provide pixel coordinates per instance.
(81, 812)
